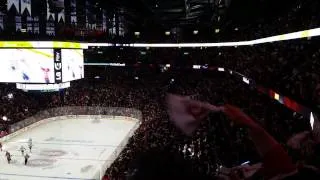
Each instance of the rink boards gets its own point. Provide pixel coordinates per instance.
(73, 147)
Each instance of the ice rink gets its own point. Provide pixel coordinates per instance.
(65, 149)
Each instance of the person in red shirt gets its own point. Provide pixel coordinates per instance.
(106, 178)
(187, 115)
(275, 159)
(46, 74)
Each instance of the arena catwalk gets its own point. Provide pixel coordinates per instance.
(64, 149)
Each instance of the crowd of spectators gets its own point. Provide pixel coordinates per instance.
(217, 142)
(289, 67)
(296, 16)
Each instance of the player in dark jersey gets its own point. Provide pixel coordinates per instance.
(8, 155)
(30, 144)
(26, 157)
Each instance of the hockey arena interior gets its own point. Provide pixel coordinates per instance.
(159, 89)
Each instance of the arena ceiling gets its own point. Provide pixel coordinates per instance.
(194, 13)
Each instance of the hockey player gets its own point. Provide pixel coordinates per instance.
(0, 146)
(22, 149)
(8, 155)
(26, 157)
(30, 144)
(46, 74)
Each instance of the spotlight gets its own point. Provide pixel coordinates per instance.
(10, 96)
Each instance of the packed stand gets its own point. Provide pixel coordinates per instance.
(217, 142)
(155, 131)
(289, 67)
(295, 16)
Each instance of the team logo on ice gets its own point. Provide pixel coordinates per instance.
(41, 162)
(52, 153)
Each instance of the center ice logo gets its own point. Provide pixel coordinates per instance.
(53, 139)
(52, 153)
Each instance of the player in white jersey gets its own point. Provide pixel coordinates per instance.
(30, 144)
(22, 149)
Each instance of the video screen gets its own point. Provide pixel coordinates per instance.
(72, 64)
(27, 65)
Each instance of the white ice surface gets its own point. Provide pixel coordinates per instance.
(64, 149)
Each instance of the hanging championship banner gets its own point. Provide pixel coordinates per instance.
(73, 13)
(50, 25)
(26, 6)
(50, 16)
(91, 17)
(57, 6)
(13, 4)
(87, 14)
(1, 21)
(50, 30)
(104, 21)
(36, 29)
(30, 24)
(61, 16)
(18, 23)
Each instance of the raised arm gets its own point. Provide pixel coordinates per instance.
(275, 159)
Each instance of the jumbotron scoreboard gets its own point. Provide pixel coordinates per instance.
(36, 64)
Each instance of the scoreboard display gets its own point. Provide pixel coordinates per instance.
(27, 65)
(72, 64)
(41, 62)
